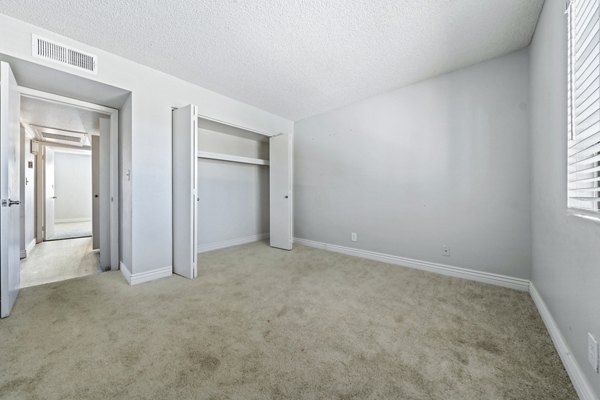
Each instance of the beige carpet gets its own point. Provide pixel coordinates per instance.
(261, 323)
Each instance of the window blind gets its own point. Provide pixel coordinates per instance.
(584, 105)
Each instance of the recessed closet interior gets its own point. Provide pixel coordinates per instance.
(228, 191)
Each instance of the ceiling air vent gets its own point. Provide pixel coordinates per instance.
(65, 55)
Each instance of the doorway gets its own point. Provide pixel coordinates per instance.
(66, 233)
(69, 202)
(21, 166)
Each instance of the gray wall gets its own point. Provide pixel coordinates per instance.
(73, 186)
(441, 162)
(233, 201)
(566, 249)
(125, 195)
(233, 197)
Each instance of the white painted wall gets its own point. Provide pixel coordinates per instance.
(153, 95)
(566, 249)
(27, 193)
(72, 186)
(441, 162)
(125, 197)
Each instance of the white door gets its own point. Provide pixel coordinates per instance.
(280, 186)
(104, 191)
(95, 192)
(10, 267)
(185, 169)
(49, 193)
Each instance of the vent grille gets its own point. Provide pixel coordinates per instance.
(59, 53)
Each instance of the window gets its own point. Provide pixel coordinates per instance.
(584, 105)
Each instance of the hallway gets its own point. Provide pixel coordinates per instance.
(59, 260)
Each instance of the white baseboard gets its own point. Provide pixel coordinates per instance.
(232, 242)
(147, 276)
(458, 272)
(30, 246)
(582, 386)
(125, 271)
(69, 220)
(28, 249)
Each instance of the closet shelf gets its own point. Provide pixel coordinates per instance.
(229, 157)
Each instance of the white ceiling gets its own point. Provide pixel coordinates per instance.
(295, 58)
(40, 113)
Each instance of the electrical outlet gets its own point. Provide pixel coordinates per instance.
(354, 237)
(446, 251)
(593, 352)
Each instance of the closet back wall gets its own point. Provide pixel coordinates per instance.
(441, 162)
(233, 198)
(233, 202)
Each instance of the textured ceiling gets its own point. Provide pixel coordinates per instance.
(42, 113)
(294, 58)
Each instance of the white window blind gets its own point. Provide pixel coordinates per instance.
(584, 105)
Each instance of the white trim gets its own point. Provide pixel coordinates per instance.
(86, 151)
(58, 99)
(211, 119)
(203, 248)
(69, 220)
(584, 214)
(125, 271)
(147, 276)
(30, 246)
(582, 386)
(230, 157)
(28, 249)
(449, 270)
(113, 164)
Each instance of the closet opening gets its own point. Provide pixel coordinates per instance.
(235, 188)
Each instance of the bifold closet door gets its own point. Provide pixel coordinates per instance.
(185, 137)
(280, 187)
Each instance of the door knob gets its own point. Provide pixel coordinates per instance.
(13, 202)
(285, 197)
(54, 197)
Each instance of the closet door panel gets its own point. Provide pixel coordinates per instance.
(185, 132)
(280, 187)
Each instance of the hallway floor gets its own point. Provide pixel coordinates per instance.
(59, 260)
(65, 230)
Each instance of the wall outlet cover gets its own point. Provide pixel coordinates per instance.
(593, 352)
(446, 251)
(354, 237)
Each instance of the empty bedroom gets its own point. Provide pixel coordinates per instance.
(300, 199)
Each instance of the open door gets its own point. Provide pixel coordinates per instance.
(185, 170)
(280, 187)
(10, 267)
(95, 192)
(104, 199)
(50, 193)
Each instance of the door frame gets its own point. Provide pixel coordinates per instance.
(113, 115)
